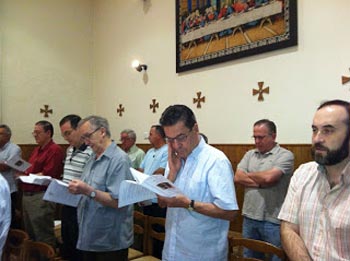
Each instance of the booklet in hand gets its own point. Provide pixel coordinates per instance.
(36, 179)
(145, 187)
(58, 192)
(17, 163)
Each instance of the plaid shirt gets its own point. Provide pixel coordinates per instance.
(322, 212)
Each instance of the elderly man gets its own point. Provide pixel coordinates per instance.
(105, 231)
(265, 173)
(46, 159)
(9, 150)
(316, 214)
(197, 221)
(77, 155)
(128, 139)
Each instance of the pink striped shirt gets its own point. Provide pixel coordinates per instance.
(322, 213)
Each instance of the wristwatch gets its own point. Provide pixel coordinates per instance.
(191, 206)
(93, 194)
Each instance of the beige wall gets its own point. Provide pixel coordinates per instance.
(299, 77)
(75, 55)
(46, 59)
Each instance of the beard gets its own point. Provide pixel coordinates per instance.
(332, 157)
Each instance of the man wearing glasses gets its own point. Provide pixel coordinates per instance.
(265, 173)
(78, 154)
(105, 231)
(197, 221)
(128, 140)
(46, 159)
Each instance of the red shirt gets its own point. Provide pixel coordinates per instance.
(49, 161)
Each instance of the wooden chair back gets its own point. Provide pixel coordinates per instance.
(14, 244)
(152, 233)
(140, 231)
(37, 251)
(256, 245)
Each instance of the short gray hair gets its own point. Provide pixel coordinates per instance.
(97, 122)
(131, 134)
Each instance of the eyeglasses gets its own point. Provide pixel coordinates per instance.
(35, 133)
(124, 138)
(179, 139)
(87, 136)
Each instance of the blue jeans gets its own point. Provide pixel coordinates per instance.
(261, 230)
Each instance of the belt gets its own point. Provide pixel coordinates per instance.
(27, 193)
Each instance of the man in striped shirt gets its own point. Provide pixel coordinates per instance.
(77, 155)
(316, 214)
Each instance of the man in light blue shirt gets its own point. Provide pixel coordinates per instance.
(9, 150)
(197, 221)
(154, 163)
(105, 231)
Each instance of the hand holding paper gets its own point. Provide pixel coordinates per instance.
(144, 188)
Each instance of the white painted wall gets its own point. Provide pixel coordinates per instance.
(46, 59)
(75, 55)
(299, 77)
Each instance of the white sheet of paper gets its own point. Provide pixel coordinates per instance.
(17, 163)
(58, 192)
(144, 188)
(36, 179)
(156, 183)
(130, 192)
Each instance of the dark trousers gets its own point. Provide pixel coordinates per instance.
(70, 233)
(119, 255)
(155, 211)
(14, 221)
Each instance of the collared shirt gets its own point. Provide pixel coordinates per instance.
(48, 160)
(155, 159)
(8, 151)
(5, 211)
(136, 156)
(207, 176)
(264, 204)
(104, 228)
(75, 161)
(321, 212)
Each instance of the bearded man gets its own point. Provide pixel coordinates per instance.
(316, 214)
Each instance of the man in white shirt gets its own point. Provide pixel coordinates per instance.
(198, 220)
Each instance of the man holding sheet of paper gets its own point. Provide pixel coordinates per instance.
(105, 231)
(197, 221)
(9, 150)
(77, 155)
(47, 160)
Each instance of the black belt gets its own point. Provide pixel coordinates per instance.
(27, 193)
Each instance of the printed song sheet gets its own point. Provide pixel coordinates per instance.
(17, 163)
(145, 187)
(58, 192)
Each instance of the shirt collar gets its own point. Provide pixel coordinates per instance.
(272, 151)
(195, 152)
(5, 146)
(346, 174)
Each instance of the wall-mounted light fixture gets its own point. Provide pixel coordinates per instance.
(139, 67)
